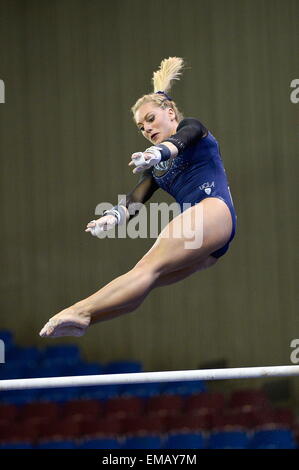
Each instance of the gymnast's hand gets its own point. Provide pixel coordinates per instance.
(96, 227)
(144, 160)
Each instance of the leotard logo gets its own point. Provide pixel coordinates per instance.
(207, 187)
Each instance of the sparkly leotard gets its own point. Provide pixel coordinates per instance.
(196, 173)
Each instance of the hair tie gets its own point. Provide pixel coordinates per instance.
(163, 93)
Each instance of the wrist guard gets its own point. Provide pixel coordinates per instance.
(160, 151)
(119, 212)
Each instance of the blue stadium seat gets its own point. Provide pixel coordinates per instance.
(13, 371)
(59, 394)
(123, 367)
(16, 445)
(145, 442)
(142, 390)
(273, 439)
(228, 440)
(19, 397)
(51, 370)
(57, 445)
(61, 354)
(102, 392)
(184, 388)
(100, 444)
(87, 369)
(185, 441)
(29, 355)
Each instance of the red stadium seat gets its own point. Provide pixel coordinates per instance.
(231, 421)
(205, 403)
(62, 429)
(249, 399)
(263, 419)
(165, 405)
(124, 406)
(20, 432)
(8, 413)
(49, 411)
(143, 425)
(82, 409)
(274, 419)
(102, 427)
(187, 423)
(4, 427)
(285, 417)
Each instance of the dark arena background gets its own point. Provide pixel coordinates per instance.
(70, 71)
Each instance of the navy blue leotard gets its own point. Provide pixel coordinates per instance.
(196, 173)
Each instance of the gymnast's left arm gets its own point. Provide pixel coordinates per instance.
(188, 131)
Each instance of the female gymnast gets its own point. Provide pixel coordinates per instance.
(184, 160)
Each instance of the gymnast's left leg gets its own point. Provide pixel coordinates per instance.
(166, 261)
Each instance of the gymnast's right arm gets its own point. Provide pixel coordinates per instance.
(128, 207)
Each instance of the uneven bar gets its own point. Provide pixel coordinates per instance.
(146, 377)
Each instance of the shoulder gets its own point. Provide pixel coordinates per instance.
(191, 122)
(194, 124)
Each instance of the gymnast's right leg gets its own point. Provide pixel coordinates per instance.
(168, 256)
(69, 329)
(164, 280)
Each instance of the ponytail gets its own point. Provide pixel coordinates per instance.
(170, 69)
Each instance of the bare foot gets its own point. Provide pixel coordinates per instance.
(69, 322)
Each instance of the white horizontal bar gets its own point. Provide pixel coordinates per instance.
(146, 377)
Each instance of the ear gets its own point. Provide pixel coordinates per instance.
(171, 113)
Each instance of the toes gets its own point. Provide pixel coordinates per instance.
(44, 331)
(48, 328)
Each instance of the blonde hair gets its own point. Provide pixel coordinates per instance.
(170, 70)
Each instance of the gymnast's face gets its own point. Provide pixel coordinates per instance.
(156, 123)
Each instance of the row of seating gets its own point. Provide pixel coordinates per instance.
(78, 427)
(279, 439)
(198, 405)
